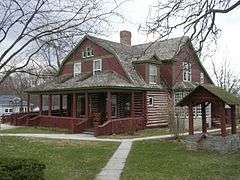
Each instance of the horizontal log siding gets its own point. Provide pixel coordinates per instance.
(159, 110)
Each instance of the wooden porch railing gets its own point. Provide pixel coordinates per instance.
(121, 125)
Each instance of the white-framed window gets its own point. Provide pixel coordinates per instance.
(197, 111)
(201, 78)
(178, 96)
(77, 68)
(97, 66)
(187, 71)
(6, 110)
(88, 52)
(152, 74)
(151, 101)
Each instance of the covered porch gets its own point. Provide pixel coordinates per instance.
(204, 95)
(105, 111)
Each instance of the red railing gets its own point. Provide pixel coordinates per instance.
(122, 125)
(73, 124)
(12, 118)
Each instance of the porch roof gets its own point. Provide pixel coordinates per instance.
(108, 79)
(218, 92)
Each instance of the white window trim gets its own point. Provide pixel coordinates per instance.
(188, 71)
(151, 97)
(201, 77)
(86, 51)
(74, 69)
(100, 69)
(153, 65)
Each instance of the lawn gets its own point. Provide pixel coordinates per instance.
(140, 133)
(35, 130)
(65, 159)
(151, 160)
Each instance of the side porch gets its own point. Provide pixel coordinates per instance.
(103, 112)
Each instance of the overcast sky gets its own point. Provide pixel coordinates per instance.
(136, 12)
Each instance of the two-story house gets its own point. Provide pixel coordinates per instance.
(116, 87)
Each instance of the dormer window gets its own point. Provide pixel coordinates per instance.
(88, 52)
(187, 71)
(77, 69)
(97, 66)
(152, 74)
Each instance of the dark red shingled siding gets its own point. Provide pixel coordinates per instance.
(187, 54)
(109, 62)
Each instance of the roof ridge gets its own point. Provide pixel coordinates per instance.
(160, 41)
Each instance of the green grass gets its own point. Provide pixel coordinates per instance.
(35, 130)
(151, 160)
(65, 159)
(140, 133)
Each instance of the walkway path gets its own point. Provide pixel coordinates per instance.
(114, 167)
(6, 126)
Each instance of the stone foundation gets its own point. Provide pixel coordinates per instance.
(216, 143)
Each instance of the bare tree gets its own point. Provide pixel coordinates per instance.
(29, 26)
(226, 78)
(195, 18)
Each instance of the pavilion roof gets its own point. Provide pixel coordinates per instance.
(220, 93)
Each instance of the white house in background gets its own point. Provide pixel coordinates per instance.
(11, 104)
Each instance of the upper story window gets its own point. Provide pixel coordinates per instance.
(187, 71)
(201, 78)
(152, 74)
(77, 69)
(151, 101)
(97, 66)
(88, 52)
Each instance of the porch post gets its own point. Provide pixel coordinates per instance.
(204, 121)
(40, 104)
(233, 119)
(144, 107)
(132, 105)
(28, 103)
(109, 105)
(222, 119)
(190, 116)
(74, 105)
(86, 104)
(49, 104)
(69, 105)
(61, 104)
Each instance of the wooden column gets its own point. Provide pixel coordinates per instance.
(222, 119)
(69, 105)
(74, 105)
(28, 103)
(144, 105)
(132, 105)
(49, 104)
(40, 104)
(109, 106)
(86, 104)
(204, 120)
(61, 104)
(233, 119)
(190, 117)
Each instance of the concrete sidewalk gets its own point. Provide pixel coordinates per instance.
(114, 167)
(7, 126)
(87, 137)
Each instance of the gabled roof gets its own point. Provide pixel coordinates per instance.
(220, 93)
(10, 100)
(153, 52)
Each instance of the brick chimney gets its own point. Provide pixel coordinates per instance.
(125, 37)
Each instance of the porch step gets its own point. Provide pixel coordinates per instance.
(157, 125)
(88, 131)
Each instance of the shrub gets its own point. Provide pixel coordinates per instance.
(21, 169)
